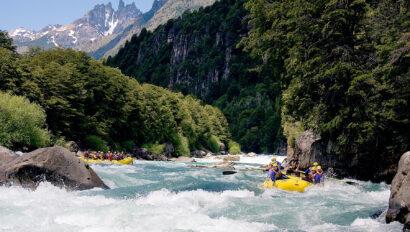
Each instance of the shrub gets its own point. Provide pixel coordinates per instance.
(96, 143)
(128, 145)
(22, 123)
(154, 148)
(234, 147)
(213, 143)
(181, 145)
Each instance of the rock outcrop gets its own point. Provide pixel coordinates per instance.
(6, 155)
(72, 146)
(144, 154)
(56, 165)
(399, 203)
(312, 148)
(182, 159)
(232, 158)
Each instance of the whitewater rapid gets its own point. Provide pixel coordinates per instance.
(168, 196)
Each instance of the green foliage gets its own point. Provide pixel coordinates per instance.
(82, 97)
(22, 123)
(234, 147)
(181, 145)
(95, 143)
(154, 148)
(6, 42)
(213, 143)
(127, 145)
(213, 69)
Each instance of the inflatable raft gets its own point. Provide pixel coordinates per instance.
(291, 183)
(127, 160)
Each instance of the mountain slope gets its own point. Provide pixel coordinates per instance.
(98, 23)
(161, 12)
(197, 54)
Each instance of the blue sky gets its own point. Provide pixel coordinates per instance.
(36, 14)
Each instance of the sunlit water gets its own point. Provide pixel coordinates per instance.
(168, 196)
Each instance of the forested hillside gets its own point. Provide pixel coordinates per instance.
(91, 103)
(198, 54)
(346, 74)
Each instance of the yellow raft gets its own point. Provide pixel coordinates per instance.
(127, 160)
(291, 184)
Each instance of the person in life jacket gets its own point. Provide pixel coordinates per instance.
(274, 172)
(321, 175)
(294, 166)
(86, 154)
(274, 161)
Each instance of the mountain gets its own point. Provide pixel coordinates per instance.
(197, 54)
(161, 12)
(102, 31)
(100, 22)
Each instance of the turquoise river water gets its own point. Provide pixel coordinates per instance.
(170, 196)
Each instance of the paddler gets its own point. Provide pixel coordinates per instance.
(274, 161)
(274, 172)
(294, 166)
(319, 172)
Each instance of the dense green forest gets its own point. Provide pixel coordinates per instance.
(85, 101)
(346, 71)
(197, 54)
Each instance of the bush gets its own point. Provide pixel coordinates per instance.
(154, 148)
(96, 143)
(128, 145)
(234, 147)
(22, 123)
(181, 145)
(213, 143)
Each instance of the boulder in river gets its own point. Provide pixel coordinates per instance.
(251, 154)
(182, 159)
(232, 158)
(399, 203)
(144, 154)
(198, 153)
(56, 165)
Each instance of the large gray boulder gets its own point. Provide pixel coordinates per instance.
(399, 203)
(56, 165)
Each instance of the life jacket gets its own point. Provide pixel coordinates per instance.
(294, 164)
(317, 178)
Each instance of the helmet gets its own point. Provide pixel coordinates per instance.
(273, 158)
(315, 163)
(275, 165)
(319, 168)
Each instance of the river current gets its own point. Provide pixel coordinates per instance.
(170, 196)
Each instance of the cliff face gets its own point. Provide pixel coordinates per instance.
(197, 54)
(312, 148)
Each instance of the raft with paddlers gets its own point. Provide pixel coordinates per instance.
(287, 183)
(107, 157)
(127, 160)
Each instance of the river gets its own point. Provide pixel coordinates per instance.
(170, 196)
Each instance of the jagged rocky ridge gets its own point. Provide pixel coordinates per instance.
(100, 22)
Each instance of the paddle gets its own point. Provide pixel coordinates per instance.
(344, 181)
(233, 172)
